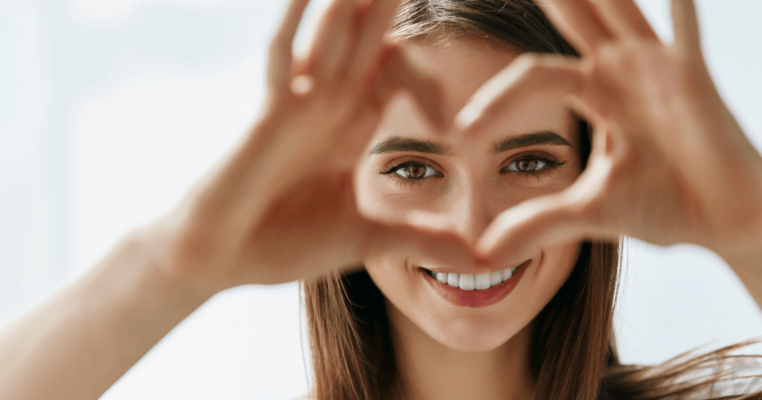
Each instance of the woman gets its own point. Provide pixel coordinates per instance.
(476, 259)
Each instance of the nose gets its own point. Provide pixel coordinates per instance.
(471, 211)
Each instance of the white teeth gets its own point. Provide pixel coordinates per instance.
(452, 279)
(466, 282)
(507, 273)
(482, 281)
(475, 282)
(496, 278)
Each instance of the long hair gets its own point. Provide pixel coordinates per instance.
(572, 351)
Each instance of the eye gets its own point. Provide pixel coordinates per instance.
(413, 171)
(527, 164)
(531, 165)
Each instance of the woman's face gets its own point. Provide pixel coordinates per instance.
(410, 167)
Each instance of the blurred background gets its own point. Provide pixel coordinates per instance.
(111, 109)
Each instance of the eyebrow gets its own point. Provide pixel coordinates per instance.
(530, 139)
(398, 143)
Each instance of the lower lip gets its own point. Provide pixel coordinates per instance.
(475, 298)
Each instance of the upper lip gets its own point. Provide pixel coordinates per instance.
(452, 272)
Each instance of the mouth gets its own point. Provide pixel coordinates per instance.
(469, 290)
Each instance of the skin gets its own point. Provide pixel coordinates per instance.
(446, 351)
(283, 205)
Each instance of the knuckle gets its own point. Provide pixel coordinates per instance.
(302, 85)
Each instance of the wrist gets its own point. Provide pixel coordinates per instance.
(154, 245)
(746, 258)
(740, 243)
(746, 263)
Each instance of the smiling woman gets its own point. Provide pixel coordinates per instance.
(460, 321)
(438, 260)
(542, 328)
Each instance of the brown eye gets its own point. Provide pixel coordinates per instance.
(527, 165)
(415, 171)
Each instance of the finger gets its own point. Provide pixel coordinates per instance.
(280, 50)
(299, 65)
(438, 247)
(370, 40)
(623, 17)
(540, 222)
(579, 22)
(343, 62)
(530, 74)
(331, 38)
(355, 138)
(399, 72)
(685, 21)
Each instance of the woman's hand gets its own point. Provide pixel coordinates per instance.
(281, 207)
(669, 162)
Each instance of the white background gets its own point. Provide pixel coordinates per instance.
(111, 109)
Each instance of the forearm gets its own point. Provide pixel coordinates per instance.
(79, 342)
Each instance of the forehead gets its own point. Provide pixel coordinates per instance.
(462, 66)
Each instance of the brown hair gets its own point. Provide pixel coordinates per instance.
(573, 353)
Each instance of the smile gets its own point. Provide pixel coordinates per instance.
(474, 282)
(469, 290)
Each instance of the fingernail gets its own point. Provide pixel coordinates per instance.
(463, 120)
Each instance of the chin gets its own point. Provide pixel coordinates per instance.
(473, 335)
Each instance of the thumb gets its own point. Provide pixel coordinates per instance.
(399, 72)
(543, 221)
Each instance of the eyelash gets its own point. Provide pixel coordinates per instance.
(550, 165)
(404, 181)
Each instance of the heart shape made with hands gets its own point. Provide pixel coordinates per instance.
(653, 172)
(662, 142)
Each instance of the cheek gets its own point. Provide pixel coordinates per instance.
(557, 264)
(402, 288)
(399, 283)
(389, 274)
